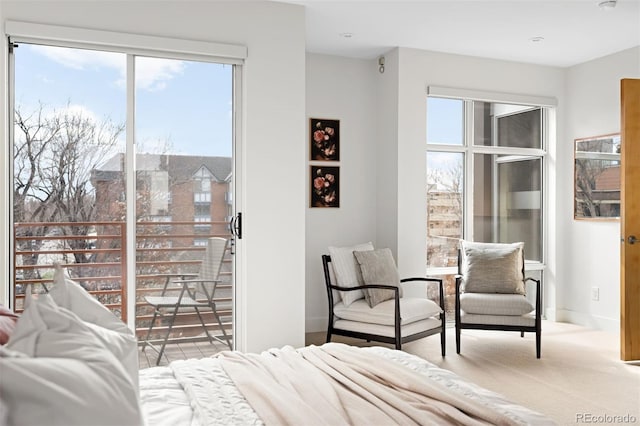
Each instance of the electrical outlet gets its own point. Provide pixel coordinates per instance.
(595, 293)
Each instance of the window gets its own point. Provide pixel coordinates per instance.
(485, 175)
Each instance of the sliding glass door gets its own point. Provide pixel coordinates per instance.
(123, 167)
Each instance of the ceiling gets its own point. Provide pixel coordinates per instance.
(573, 31)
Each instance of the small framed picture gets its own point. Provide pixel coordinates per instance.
(324, 139)
(325, 186)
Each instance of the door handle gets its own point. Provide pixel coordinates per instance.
(632, 239)
(238, 226)
(235, 225)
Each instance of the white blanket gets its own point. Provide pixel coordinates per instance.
(200, 392)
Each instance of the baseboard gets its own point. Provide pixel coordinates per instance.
(586, 320)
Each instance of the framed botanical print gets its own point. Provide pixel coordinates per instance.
(325, 186)
(324, 139)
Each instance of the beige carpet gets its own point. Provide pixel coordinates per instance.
(579, 379)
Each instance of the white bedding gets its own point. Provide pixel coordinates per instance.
(199, 392)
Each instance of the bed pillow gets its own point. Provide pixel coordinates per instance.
(7, 324)
(378, 267)
(492, 268)
(56, 371)
(347, 270)
(110, 329)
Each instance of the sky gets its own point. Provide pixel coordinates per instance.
(445, 124)
(182, 107)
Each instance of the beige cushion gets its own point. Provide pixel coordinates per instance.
(492, 267)
(347, 270)
(495, 304)
(411, 309)
(389, 330)
(528, 320)
(379, 268)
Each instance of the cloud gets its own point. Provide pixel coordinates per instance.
(152, 74)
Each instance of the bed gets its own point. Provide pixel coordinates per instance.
(70, 361)
(285, 391)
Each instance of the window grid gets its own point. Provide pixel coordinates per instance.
(468, 149)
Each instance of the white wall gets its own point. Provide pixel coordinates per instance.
(344, 89)
(591, 251)
(272, 293)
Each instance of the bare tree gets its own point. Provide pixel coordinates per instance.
(54, 154)
(588, 171)
(444, 214)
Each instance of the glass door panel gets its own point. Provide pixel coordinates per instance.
(184, 176)
(68, 136)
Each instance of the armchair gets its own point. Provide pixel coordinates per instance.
(490, 291)
(393, 318)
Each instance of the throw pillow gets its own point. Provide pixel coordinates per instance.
(7, 324)
(378, 267)
(347, 271)
(114, 333)
(492, 268)
(56, 371)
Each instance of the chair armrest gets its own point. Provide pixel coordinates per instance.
(431, 280)
(363, 287)
(196, 280)
(538, 299)
(435, 280)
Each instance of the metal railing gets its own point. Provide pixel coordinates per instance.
(94, 255)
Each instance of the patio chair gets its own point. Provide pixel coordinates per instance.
(393, 317)
(195, 294)
(490, 291)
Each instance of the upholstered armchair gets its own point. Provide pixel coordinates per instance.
(366, 298)
(490, 291)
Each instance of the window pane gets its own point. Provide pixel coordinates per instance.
(69, 121)
(184, 173)
(515, 126)
(444, 207)
(507, 205)
(445, 121)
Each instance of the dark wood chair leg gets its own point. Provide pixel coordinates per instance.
(443, 342)
(522, 334)
(328, 336)
(458, 340)
(538, 341)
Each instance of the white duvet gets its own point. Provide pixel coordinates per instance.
(199, 392)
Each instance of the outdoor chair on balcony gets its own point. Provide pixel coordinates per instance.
(490, 291)
(368, 301)
(194, 294)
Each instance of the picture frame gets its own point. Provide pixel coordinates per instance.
(324, 139)
(324, 182)
(597, 177)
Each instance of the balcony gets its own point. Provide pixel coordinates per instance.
(94, 255)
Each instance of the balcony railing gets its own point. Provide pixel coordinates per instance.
(95, 257)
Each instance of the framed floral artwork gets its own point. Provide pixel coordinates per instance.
(324, 138)
(325, 186)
